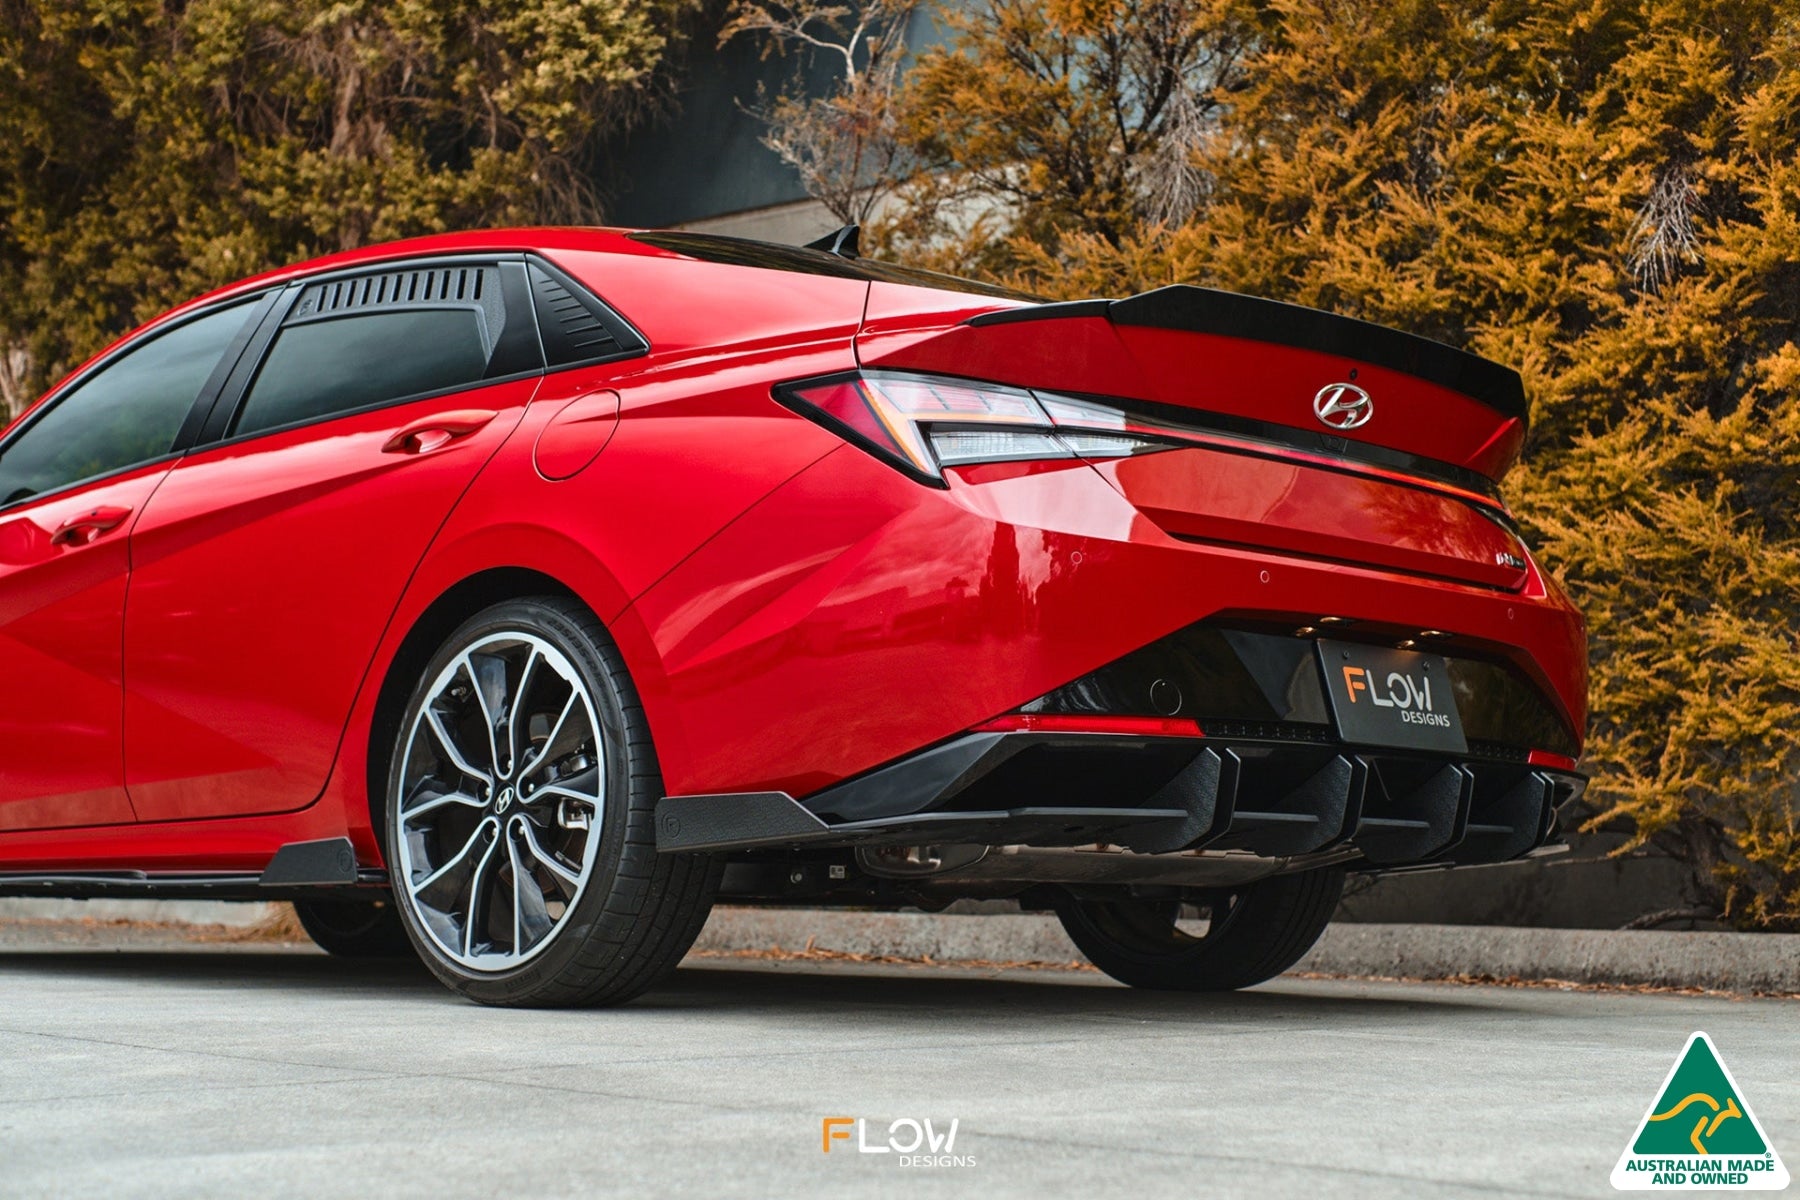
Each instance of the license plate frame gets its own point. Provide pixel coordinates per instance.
(1392, 699)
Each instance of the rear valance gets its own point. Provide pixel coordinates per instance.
(1230, 314)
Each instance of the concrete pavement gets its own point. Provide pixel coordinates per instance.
(146, 1065)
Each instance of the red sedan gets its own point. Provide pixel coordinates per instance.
(512, 595)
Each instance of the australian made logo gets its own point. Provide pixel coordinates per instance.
(1700, 1133)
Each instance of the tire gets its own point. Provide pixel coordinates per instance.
(523, 855)
(354, 928)
(1255, 933)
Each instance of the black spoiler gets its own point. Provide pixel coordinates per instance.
(1230, 314)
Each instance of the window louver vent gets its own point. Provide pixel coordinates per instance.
(475, 286)
(581, 327)
(575, 327)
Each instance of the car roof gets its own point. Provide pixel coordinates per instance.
(482, 241)
(547, 239)
(479, 241)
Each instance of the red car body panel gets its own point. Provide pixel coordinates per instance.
(793, 611)
(263, 573)
(1215, 496)
(918, 613)
(59, 607)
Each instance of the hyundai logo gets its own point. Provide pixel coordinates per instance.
(1343, 406)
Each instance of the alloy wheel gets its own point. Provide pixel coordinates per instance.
(499, 801)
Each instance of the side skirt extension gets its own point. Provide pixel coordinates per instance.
(299, 871)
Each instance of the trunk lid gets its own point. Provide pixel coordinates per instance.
(1309, 433)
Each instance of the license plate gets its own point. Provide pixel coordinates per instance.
(1396, 698)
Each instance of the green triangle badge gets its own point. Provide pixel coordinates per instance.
(1700, 1133)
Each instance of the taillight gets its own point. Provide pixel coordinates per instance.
(922, 424)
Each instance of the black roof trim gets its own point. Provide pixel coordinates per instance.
(771, 256)
(1230, 314)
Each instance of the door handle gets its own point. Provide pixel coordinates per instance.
(79, 531)
(436, 431)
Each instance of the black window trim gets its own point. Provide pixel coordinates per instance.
(230, 396)
(219, 423)
(223, 394)
(189, 430)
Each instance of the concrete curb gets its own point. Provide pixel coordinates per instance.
(1727, 962)
(231, 913)
(995, 937)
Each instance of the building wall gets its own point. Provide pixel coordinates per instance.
(701, 157)
(793, 224)
(701, 163)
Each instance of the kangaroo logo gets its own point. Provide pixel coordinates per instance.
(1709, 1122)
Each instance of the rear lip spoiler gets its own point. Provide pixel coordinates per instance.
(1231, 314)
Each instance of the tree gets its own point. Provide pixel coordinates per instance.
(157, 148)
(1602, 193)
(1051, 118)
(844, 145)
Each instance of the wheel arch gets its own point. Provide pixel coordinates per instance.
(452, 607)
(436, 620)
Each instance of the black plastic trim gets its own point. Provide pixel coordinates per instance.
(708, 822)
(725, 832)
(519, 341)
(369, 883)
(561, 350)
(1270, 799)
(230, 397)
(1232, 314)
(1251, 682)
(327, 861)
(195, 425)
(844, 242)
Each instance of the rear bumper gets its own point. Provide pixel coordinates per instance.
(1155, 795)
(853, 618)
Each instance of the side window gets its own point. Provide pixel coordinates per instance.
(129, 412)
(354, 343)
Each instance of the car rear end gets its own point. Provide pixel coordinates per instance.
(1181, 590)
